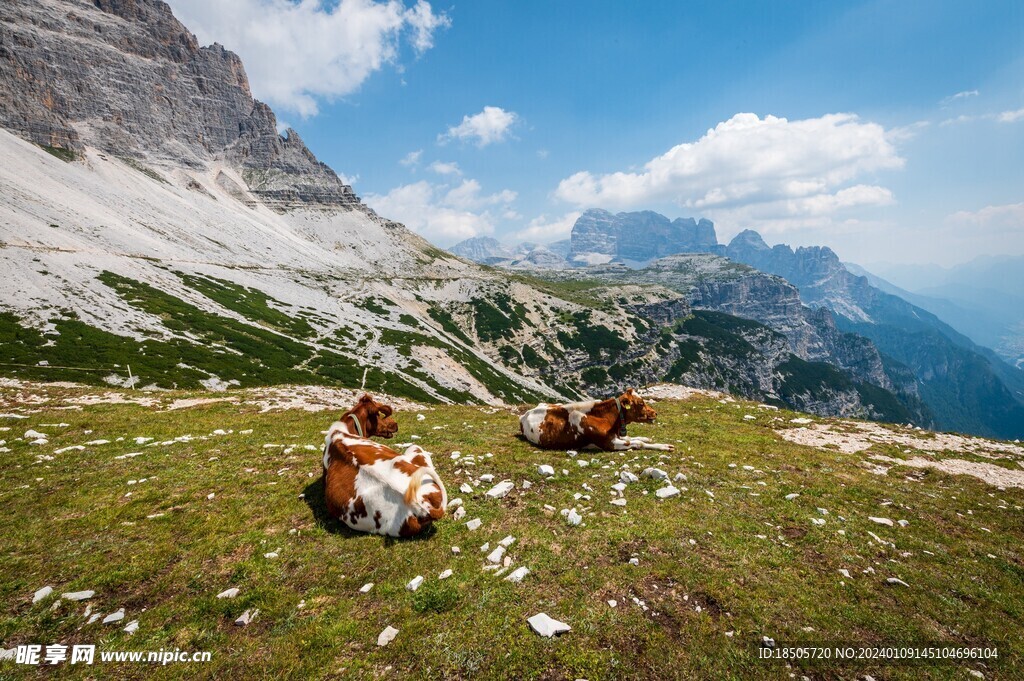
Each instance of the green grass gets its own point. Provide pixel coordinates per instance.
(66, 155)
(68, 523)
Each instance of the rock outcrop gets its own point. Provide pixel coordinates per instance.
(126, 78)
(638, 237)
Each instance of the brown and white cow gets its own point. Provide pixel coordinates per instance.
(373, 488)
(596, 423)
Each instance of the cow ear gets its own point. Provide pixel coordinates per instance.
(366, 398)
(629, 391)
(386, 410)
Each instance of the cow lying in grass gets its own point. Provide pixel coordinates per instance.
(597, 423)
(372, 488)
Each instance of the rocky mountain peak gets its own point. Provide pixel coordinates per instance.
(639, 237)
(71, 76)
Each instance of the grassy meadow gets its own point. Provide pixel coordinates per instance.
(728, 561)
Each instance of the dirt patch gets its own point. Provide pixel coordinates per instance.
(857, 437)
(672, 391)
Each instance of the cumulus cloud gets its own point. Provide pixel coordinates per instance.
(491, 125)
(443, 213)
(298, 52)
(545, 229)
(444, 168)
(1003, 217)
(747, 165)
(412, 159)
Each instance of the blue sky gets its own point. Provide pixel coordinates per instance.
(891, 131)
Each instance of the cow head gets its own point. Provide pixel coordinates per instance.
(634, 409)
(374, 417)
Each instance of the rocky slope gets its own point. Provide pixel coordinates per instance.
(599, 236)
(966, 386)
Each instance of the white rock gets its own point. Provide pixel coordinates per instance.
(545, 470)
(526, 484)
(132, 627)
(881, 521)
(365, 588)
(486, 547)
(460, 513)
(465, 488)
(496, 555)
(791, 497)
(271, 555)
(78, 595)
(565, 471)
(571, 452)
(445, 575)
(666, 492)
(454, 503)
(845, 573)
(903, 523)
(618, 502)
(573, 518)
(114, 617)
(474, 524)
(613, 603)
(654, 474)
(894, 581)
(619, 487)
(976, 674)
(546, 626)
(487, 477)
(680, 477)
(246, 618)
(627, 477)
(507, 541)
(229, 593)
(42, 593)
(415, 583)
(456, 550)
(818, 521)
(518, 574)
(387, 636)
(634, 561)
(500, 490)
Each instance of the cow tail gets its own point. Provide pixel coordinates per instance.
(413, 490)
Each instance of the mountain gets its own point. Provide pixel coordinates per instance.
(483, 249)
(599, 237)
(966, 386)
(489, 251)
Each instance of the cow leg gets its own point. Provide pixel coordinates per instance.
(655, 446)
(639, 439)
(618, 444)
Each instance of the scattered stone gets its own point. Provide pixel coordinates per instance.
(496, 555)
(974, 672)
(546, 626)
(386, 636)
(663, 493)
(474, 524)
(845, 573)
(818, 521)
(680, 477)
(460, 513)
(487, 477)
(365, 588)
(415, 583)
(42, 593)
(612, 603)
(518, 574)
(246, 618)
(507, 541)
(78, 595)
(545, 470)
(903, 523)
(445, 575)
(526, 484)
(455, 503)
(114, 617)
(634, 561)
(881, 521)
(465, 488)
(229, 593)
(627, 477)
(486, 547)
(572, 517)
(271, 555)
(654, 474)
(893, 581)
(791, 497)
(456, 550)
(500, 490)
(767, 642)
(618, 502)
(132, 627)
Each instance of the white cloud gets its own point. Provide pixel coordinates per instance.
(771, 167)
(1011, 116)
(444, 168)
(442, 213)
(412, 159)
(493, 124)
(298, 52)
(1009, 217)
(546, 230)
(960, 95)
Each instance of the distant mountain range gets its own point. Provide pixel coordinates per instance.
(961, 384)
